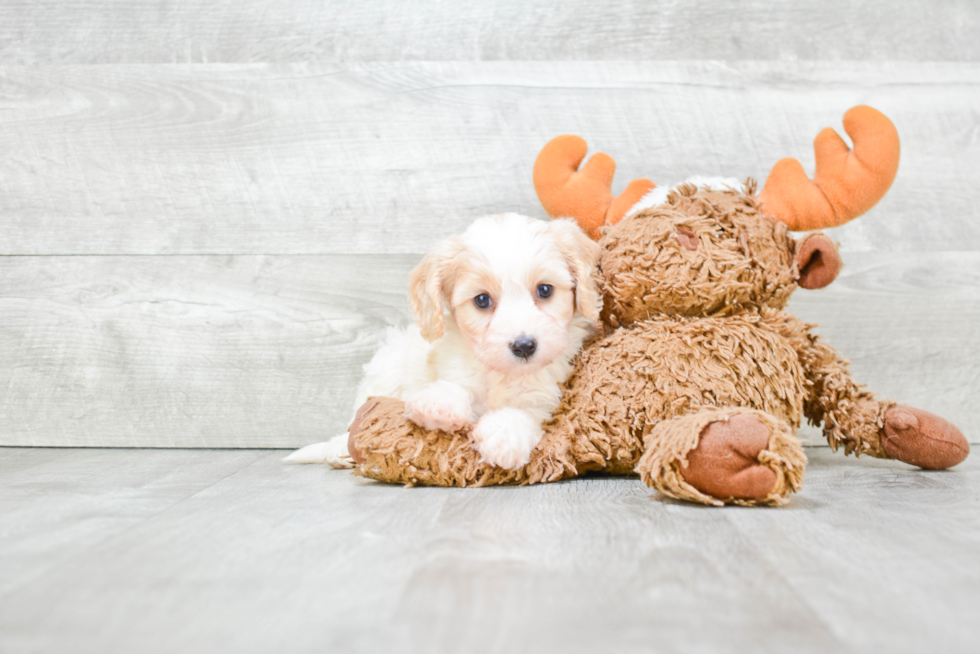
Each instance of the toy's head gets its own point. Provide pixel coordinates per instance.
(713, 247)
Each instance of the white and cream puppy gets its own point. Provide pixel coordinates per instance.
(501, 311)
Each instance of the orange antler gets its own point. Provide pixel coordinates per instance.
(846, 182)
(586, 194)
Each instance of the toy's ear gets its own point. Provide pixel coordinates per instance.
(818, 260)
(581, 254)
(427, 288)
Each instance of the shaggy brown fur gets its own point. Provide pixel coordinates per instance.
(695, 334)
(741, 261)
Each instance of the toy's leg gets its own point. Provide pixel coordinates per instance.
(356, 426)
(387, 446)
(864, 425)
(889, 431)
(719, 456)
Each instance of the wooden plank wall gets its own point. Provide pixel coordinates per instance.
(208, 210)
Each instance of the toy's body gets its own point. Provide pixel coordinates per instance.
(700, 379)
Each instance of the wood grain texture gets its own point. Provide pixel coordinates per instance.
(56, 503)
(262, 351)
(386, 157)
(165, 551)
(189, 351)
(183, 31)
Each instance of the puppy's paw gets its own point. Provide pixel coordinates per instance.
(506, 437)
(332, 452)
(440, 405)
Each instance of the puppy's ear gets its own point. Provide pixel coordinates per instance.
(581, 255)
(427, 288)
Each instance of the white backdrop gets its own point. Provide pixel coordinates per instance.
(208, 213)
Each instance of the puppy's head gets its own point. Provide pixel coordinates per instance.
(512, 285)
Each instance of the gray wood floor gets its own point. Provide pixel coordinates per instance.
(114, 550)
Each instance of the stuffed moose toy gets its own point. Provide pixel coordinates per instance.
(699, 378)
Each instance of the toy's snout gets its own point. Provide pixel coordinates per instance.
(687, 238)
(818, 261)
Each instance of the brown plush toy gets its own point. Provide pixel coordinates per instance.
(700, 379)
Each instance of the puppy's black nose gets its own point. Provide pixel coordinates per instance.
(523, 347)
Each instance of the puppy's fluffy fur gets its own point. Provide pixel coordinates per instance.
(480, 301)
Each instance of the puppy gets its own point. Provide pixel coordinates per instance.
(500, 310)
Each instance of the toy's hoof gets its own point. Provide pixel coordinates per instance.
(922, 439)
(725, 464)
(355, 427)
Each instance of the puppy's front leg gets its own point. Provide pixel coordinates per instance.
(440, 405)
(506, 437)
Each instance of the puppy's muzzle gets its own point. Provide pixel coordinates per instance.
(524, 347)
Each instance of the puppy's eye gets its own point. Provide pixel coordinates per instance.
(482, 301)
(545, 291)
